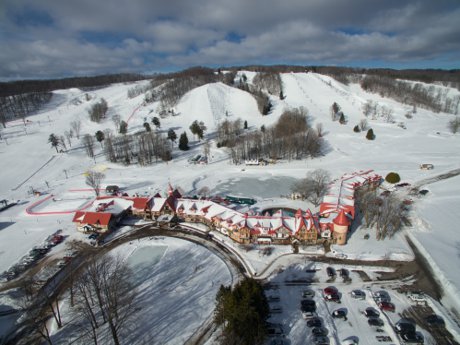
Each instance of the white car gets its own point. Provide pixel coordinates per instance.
(417, 296)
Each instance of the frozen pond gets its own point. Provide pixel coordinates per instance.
(143, 259)
(271, 187)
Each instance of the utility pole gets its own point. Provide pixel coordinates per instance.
(65, 172)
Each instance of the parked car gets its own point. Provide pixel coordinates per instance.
(339, 314)
(308, 293)
(412, 338)
(276, 309)
(308, 313)
(371, 312)
(308, 303)
(417, 296)
(321, 340)
(350, 341)
(93, 236)
(358, 294)
(334, 297)
(375, 321)
(314, 322)
(435, 320)
(274, 329)
(387, 306)
(330, 290)
(56, 239)
(330, 272)
(319, 331)
(404, 326)
(382, 294)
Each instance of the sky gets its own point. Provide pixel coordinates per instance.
(56, 38)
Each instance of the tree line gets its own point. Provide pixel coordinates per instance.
(30, 86)
(141, 148)
(242, 311)
(101, 301)
(415, 94)
(386, 212)
(290, 138)
(21, 105)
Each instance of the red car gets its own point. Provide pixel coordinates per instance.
(387, 306)
(330, 290)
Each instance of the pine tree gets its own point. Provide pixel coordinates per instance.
(156, 122)
(123, 127)
(183, 142)
(55, 141)
(147, 127)
(342, 120)
(172, 135)
(245, 124)
(356, 129)
(370, 134)
(100, 136)
(197, 129)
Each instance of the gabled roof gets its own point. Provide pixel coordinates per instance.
(141, 203)
(93, 218)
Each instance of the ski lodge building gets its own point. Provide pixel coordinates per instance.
(331, 223)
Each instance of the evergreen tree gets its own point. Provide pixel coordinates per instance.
(356, 129)
(183, 142)
(172, 135)
(100, 137)
(282, 95)
(156, 122)
(245, 124)
(123, 127)
(197, 129)
(243, 311)
(370, 134)
(342, 120)
(55, 141)
(147, 127)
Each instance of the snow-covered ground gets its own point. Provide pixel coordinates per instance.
(176, 283)
(30, 163)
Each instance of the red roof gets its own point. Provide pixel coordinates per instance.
(93, 218)
(341, 219)
(140, 203)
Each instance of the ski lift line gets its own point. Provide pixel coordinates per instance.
(133, 113)
(36, 171)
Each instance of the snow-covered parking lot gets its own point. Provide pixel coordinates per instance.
(285, 295)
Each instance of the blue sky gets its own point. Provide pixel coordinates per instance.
(55, 38)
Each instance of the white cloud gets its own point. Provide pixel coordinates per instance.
(98, 37)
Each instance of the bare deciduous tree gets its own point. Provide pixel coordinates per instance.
(105, 290)
(454, 125)
(363, 124)
(319, 129)
(75, 126)
(94, 180)
(314, 186)
(69, 135)
(88, 143)
(116, 121)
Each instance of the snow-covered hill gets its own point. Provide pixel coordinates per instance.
(30, 163)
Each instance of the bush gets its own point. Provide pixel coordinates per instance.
(392, 177)
(370, 134)
(356, 129)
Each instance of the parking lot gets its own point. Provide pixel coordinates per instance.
(286, 291)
